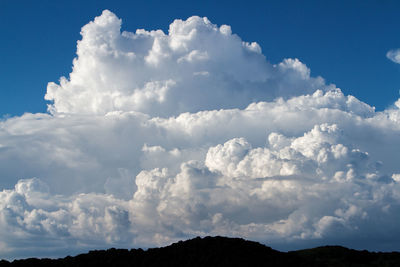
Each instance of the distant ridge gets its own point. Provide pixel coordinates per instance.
(219, 251)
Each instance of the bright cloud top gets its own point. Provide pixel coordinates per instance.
(154, 138)
(197, 66)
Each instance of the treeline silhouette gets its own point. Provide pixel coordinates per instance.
(219, 251)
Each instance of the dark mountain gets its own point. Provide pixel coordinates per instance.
(219, 251)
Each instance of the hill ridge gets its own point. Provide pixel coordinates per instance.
(219, 251)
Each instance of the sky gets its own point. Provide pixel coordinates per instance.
(344, 41)
(143, 123)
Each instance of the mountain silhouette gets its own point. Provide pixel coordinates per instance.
(219, 251)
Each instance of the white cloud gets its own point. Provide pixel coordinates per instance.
(158, 73)
(154, 138)
(394, 55)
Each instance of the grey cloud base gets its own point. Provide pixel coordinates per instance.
(126, 159)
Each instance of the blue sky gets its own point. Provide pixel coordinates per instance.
(343, 41)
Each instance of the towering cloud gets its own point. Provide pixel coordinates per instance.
(197, 66)
(155, 138)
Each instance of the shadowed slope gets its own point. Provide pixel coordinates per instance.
(219, 251)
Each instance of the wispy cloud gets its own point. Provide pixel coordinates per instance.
(394, 55)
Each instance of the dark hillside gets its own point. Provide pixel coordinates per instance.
(341, 256)
(219, 251)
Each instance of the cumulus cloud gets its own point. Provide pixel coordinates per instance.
(34, 220)
(158, 137)
(196, 66)
(394, 55)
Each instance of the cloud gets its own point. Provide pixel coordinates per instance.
(34, 221)
(155, 138)
(394, 55)
(196, 66)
